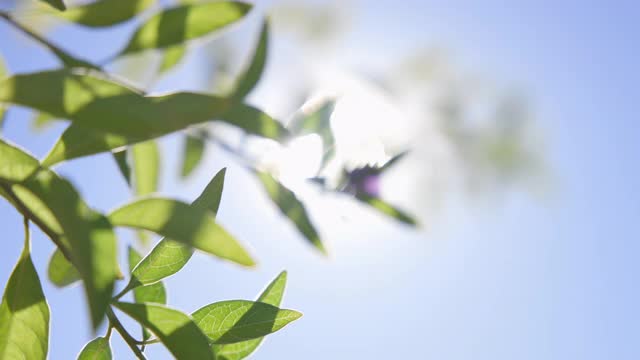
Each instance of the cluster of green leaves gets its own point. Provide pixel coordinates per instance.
(107, 115)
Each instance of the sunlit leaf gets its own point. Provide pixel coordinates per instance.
(176, 330)
(172, 57)
(146, 165)
(58, 4)
(106, 115)
(24, 313)
(393, 161)
(42, 120)
(292, 208)
(232, 321)
(60, 271)
(154, 293)
(169, 256)
(192, 155)
(254, 121)
(109, 123)
(272, 295)
(121, 160)
(387, 209)
(180, 24)
(16, 164)
(97, 349)
(88, 235)
(102, 13)
(184, 223)
(252, 74)
(60, 93)
(316, 119)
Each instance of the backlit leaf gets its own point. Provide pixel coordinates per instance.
(184, 223)
(387, 209)
(24, 313)
(233, 321)
(172, 57)
(97, 349)
(254, 121)
(180, 24)
(316, 119)
(252, 74)
(102, 13)
(292, 208)
(272, 295)
(193, 151)
(16, 164)
(58, 4)
(121, 160)
(88, 235)
(60, 93)
(154, 293)
(42, 120)
(176, 330)
(60, 271)
(169, 256)
(146, 165)
(109, 123)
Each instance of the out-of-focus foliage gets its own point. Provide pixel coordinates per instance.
(318, 147)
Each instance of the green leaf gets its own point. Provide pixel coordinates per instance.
(112, 122)
(272, 295)
(106, 115)
(184, 223)
(58, 4)
(233, 321)
(24, 312)
(171, 57)
(252, 74)
(97, 349)
(274, 292)
(42, 120)
(316, 120)
(88, 235)
(179, 24)
(103, 13)
(60, 93)
(123, 165)
(192, 155)
(155, 293)
(169, 256)
(387, 209)
(16, 164)
(146, 164)
(176, 330)
(291, 207)
(61, 272)
(254, 121)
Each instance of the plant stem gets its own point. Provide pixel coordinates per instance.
(115, 322)
(21, 207)
(58, 52)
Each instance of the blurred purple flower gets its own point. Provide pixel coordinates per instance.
(364, 181)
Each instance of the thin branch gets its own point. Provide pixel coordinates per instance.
(22, 208)
(58, 52)
(115, 322)
(148, 342)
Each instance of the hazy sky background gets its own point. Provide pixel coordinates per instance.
(518, 278)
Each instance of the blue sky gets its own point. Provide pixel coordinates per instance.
(522, 278)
